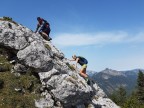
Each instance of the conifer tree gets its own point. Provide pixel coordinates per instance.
(140, 87)
(119, 97)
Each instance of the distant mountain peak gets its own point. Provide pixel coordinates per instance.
(112, 72)
(110, 79)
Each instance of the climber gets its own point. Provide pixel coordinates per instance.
(83, 62)
(43, 27)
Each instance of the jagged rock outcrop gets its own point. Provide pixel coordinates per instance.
(61, 85)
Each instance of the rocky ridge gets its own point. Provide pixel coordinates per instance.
(110, 80)
(61, 85)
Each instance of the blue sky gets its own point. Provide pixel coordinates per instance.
(109, 33)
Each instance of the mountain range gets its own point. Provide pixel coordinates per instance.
(110, 80)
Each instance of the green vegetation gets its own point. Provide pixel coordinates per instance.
(140, 87)
(17, 91)
(134, 100)
(4, 64)
(70, 66)
(74, 77)
(47, 46)
(5, 18)
(119, 96)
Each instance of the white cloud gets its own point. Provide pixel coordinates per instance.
(137, 38)
(102, 38)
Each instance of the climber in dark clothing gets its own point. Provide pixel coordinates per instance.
(43, 28)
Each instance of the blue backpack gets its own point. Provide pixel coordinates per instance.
(82, 60)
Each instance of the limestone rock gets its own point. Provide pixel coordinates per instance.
(19, 68)
(60, 83)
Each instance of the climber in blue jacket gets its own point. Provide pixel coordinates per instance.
(43, 27)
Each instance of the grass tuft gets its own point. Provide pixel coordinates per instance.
(70, 66)
(17, 91)
(47, 46)
(9, 19)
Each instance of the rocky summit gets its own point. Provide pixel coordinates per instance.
(38, 72)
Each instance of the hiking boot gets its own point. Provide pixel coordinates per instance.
(49, 39)
(87, 80)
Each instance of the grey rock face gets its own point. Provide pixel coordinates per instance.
(62, 87)
(19, 68)
(37, 56)
(66, 87)
(47, 102)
